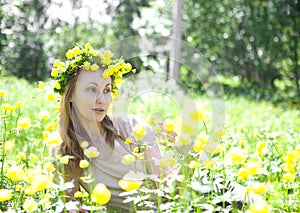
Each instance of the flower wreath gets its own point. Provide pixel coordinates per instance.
(89, 59)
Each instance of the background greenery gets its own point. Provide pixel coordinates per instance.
(253, 45)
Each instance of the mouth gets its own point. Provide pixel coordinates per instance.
(99, 110)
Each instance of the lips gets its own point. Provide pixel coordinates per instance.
(99, 110)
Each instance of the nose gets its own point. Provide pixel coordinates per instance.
(99, 98)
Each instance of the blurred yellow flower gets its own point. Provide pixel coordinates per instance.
(91, 152)
(51, 126)
(9, 145)
(184, 139)
(50, 97)
(197, 115)
(253, 167)
(83, 164)
(49, 167)
(207, 164)
(44, 115)
(128, 141)
(6, 107)
(2, 93)
(15, 173)
(52, 138)
(54, 72)
(65, 159)
(259, 207)
(56, 63)
(19, 104)
(94, 67)
(69, 54)
(24, 123)
(289, 168)
(139, 131)
(84, 144)
(40, 182)
(33, 157)
(129, 185)
(235, 155)
(87, 65)
(57, 85)
(21, 155)
(100, 194)
(169, 126)
(30, 204)
(243, 174)
(5, 195)
(136, 150)
(78, 194)
(288, 177)
(260, 147)
(259, 188)
(193, 164)
(128, 159)
(220, 133)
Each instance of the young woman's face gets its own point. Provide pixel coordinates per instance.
(92, 96)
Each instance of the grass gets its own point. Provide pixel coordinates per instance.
(244, 126)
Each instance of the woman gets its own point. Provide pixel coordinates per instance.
(117, 146)
(87, 82)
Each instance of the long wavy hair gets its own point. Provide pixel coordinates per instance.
(72, 133)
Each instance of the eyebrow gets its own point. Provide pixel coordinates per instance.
(108, 84)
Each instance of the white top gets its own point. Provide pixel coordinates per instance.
(108, 169)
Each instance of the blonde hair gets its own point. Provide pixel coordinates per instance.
(72, 133)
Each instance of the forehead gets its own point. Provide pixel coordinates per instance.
(87, 76)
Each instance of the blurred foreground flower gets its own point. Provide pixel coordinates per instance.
(5, 195)
(101, 195)
(129, 185)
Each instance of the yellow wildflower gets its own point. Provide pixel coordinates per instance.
(184, 139)
(236, 155)
(69, 54)
(30, 204)
(19, 105)
(5, 195)
(49, 167)
(259, 207)
(2, 93)
(288, 177)
(65, 159)
(9, 145)
(129, 185)
(33, 157)
(44, 115)
(259, 188)
(56, 63)
(139, 131)
(100, 194)
(40, 182)
(220, 133)
(24, 123)
(260, 147)
(94, 67)
(84, 144)
(6, 107)
(54, 72)
(207, 164)
(128, 159)
(87, 65)
(21, 155)
(193, 164)
(128, 141)
(87, 46)
(91, 152)
(78, 194)
(52, 138)
(15, 173)
(57, 85)
(197, 115)
(50, 127)
(51, 97)
(169, 126)
(243, 174)
(83, 164)
(253, 167)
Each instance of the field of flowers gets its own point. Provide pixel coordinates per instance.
(258, 147)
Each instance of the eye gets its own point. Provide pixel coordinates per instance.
(107, 90)
(92, 89)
